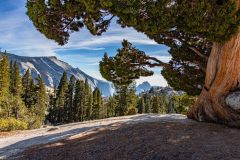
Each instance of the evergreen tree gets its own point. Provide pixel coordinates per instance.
(121, 98)
(200, 34)
(125, 66)
(61, 99)
(155, 104)
(79, 101)
(70, 97)
(183, 103)
(148, 104)
(51, 116)
(126, 99)
(5, 109)
(29, 95)
(88, 100)
(132, 100)
(171, 106)
(41, 103)
(16, 92)
(141, 105)
(97, 104)
(51, 109)
(163, 104)
(111, 106)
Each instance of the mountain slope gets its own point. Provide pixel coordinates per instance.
(143, 87)
(51, 70)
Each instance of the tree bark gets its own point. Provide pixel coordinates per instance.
(222, 78)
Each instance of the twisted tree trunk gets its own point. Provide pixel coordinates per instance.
(222, 78)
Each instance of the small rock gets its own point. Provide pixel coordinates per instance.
(44, 126)
(53, 129)
(233, 100)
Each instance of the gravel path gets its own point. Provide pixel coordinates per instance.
(12, 144)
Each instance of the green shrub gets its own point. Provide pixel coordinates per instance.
(34, 122)
(11, 124)
(183, 103)
(132, 111)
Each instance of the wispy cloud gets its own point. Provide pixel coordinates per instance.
(112, 36)
(19, 36)
(80, 59)
(79, 48)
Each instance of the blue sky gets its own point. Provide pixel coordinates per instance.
(18, 36)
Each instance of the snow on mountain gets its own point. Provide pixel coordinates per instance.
(51, 70)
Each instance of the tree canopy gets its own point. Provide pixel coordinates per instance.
(164, 21)
(188, 28)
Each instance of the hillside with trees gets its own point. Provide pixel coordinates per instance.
(26, 103)
(23, 103)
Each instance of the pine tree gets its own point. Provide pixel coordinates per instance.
(141, 105)
(155, 104)
(41, 103)
(132, 100)
(5, 109)
(148, 104)
(16, 92)
(88, 100)
(182, 103)
(61, 99)
(51, 116)
(79, 98)
(29, 95)
(126, 99)
(51, 109)
(171, 106)
(97, 104)
(111, 106)
(121, 98)
(77, 102)
(70, 97)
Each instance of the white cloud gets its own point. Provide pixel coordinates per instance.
(96, 41)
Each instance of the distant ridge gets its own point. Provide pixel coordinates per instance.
(143, 87)
(51, 70)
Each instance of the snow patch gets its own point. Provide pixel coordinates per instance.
(50, 80)
(64, 65)
(30, 66)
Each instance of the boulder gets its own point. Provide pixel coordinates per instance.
(233, 100)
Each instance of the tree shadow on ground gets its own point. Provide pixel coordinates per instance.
(158, 140)
(22, 145)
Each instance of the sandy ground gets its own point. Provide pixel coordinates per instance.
(16, 142)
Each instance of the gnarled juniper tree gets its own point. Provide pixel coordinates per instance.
(203, 36)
